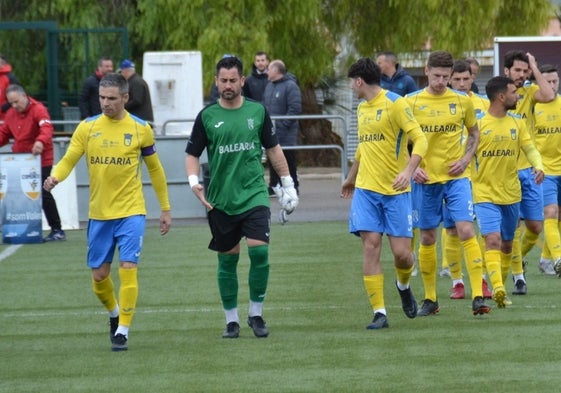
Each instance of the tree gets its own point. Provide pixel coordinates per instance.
(307, 35)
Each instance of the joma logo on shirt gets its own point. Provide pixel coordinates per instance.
(110, 160)
(235, 147)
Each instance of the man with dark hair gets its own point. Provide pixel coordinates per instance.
(474, 70)
(233, 130)
(496, 187)
(394, 77)
(379, 184)
(256, 82)
(547, 119)
(517, 65)
(460, 80)
(88, 101)
(116, 144)
(445, 115)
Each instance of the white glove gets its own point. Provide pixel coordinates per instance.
(289, 198)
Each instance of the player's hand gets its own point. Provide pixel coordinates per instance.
(289, 199)
(420, 176)
(538, 176)
(457, 168)
(199, 192)
(165, 222)
(401, 182)
(37, 148)
(50, 183)
(347, 189)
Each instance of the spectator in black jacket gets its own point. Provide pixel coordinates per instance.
(139, 103)
(256, 82)
(88, 101)
(282, 97)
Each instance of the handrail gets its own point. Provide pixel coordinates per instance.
(342, 149)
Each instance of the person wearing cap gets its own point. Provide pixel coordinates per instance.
(139, 103)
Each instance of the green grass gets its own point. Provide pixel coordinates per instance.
(54, 333)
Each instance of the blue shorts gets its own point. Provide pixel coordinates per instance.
(457, 196)
(531, 206)
(551, 190)
(103, 235)
(447, 221)
(497, 218)
(374, 212)
(415, 202)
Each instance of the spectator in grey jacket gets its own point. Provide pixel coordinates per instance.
(282, 97)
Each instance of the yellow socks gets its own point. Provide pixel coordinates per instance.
(453, 255)
(128, 294)
(529, 240)
(404, 275)
(552, 239)
(474, 263)
(427, 264)
(493, 261)
(104, 290)
(375, 290)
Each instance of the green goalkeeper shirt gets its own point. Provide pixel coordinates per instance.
(233, 139)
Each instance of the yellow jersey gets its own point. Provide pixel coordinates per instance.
(114, 151)
(385, 123)
(547, 135)
(442, 119)
(494, 174)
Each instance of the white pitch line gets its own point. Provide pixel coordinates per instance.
(9, 251)
(183, 310)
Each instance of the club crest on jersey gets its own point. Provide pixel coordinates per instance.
(378, 114)
(250, 124)
(513, 134)
(128, 139)
(30, 182)
(452, 109)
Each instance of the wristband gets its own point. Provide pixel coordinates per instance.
(193, 180)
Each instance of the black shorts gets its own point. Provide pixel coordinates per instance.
(227, 231)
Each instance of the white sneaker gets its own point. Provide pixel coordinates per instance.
(445, 272)
(546, 267)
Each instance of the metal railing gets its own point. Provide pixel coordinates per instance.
(342, 149)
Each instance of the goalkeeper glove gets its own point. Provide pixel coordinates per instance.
(288, 198)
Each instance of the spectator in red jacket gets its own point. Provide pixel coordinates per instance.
(28, 123)
(7, 78)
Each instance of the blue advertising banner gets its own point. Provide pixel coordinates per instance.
(20, 198)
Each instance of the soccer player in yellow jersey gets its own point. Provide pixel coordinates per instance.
(115, 144)
(547, 137)
(496, 187)
(379, 184)
(443, 113)
(517, 66)
(461, 80)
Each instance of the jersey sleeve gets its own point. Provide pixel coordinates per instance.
(268, 137)
(198, 139)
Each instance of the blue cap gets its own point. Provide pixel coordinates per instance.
(126, 64)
